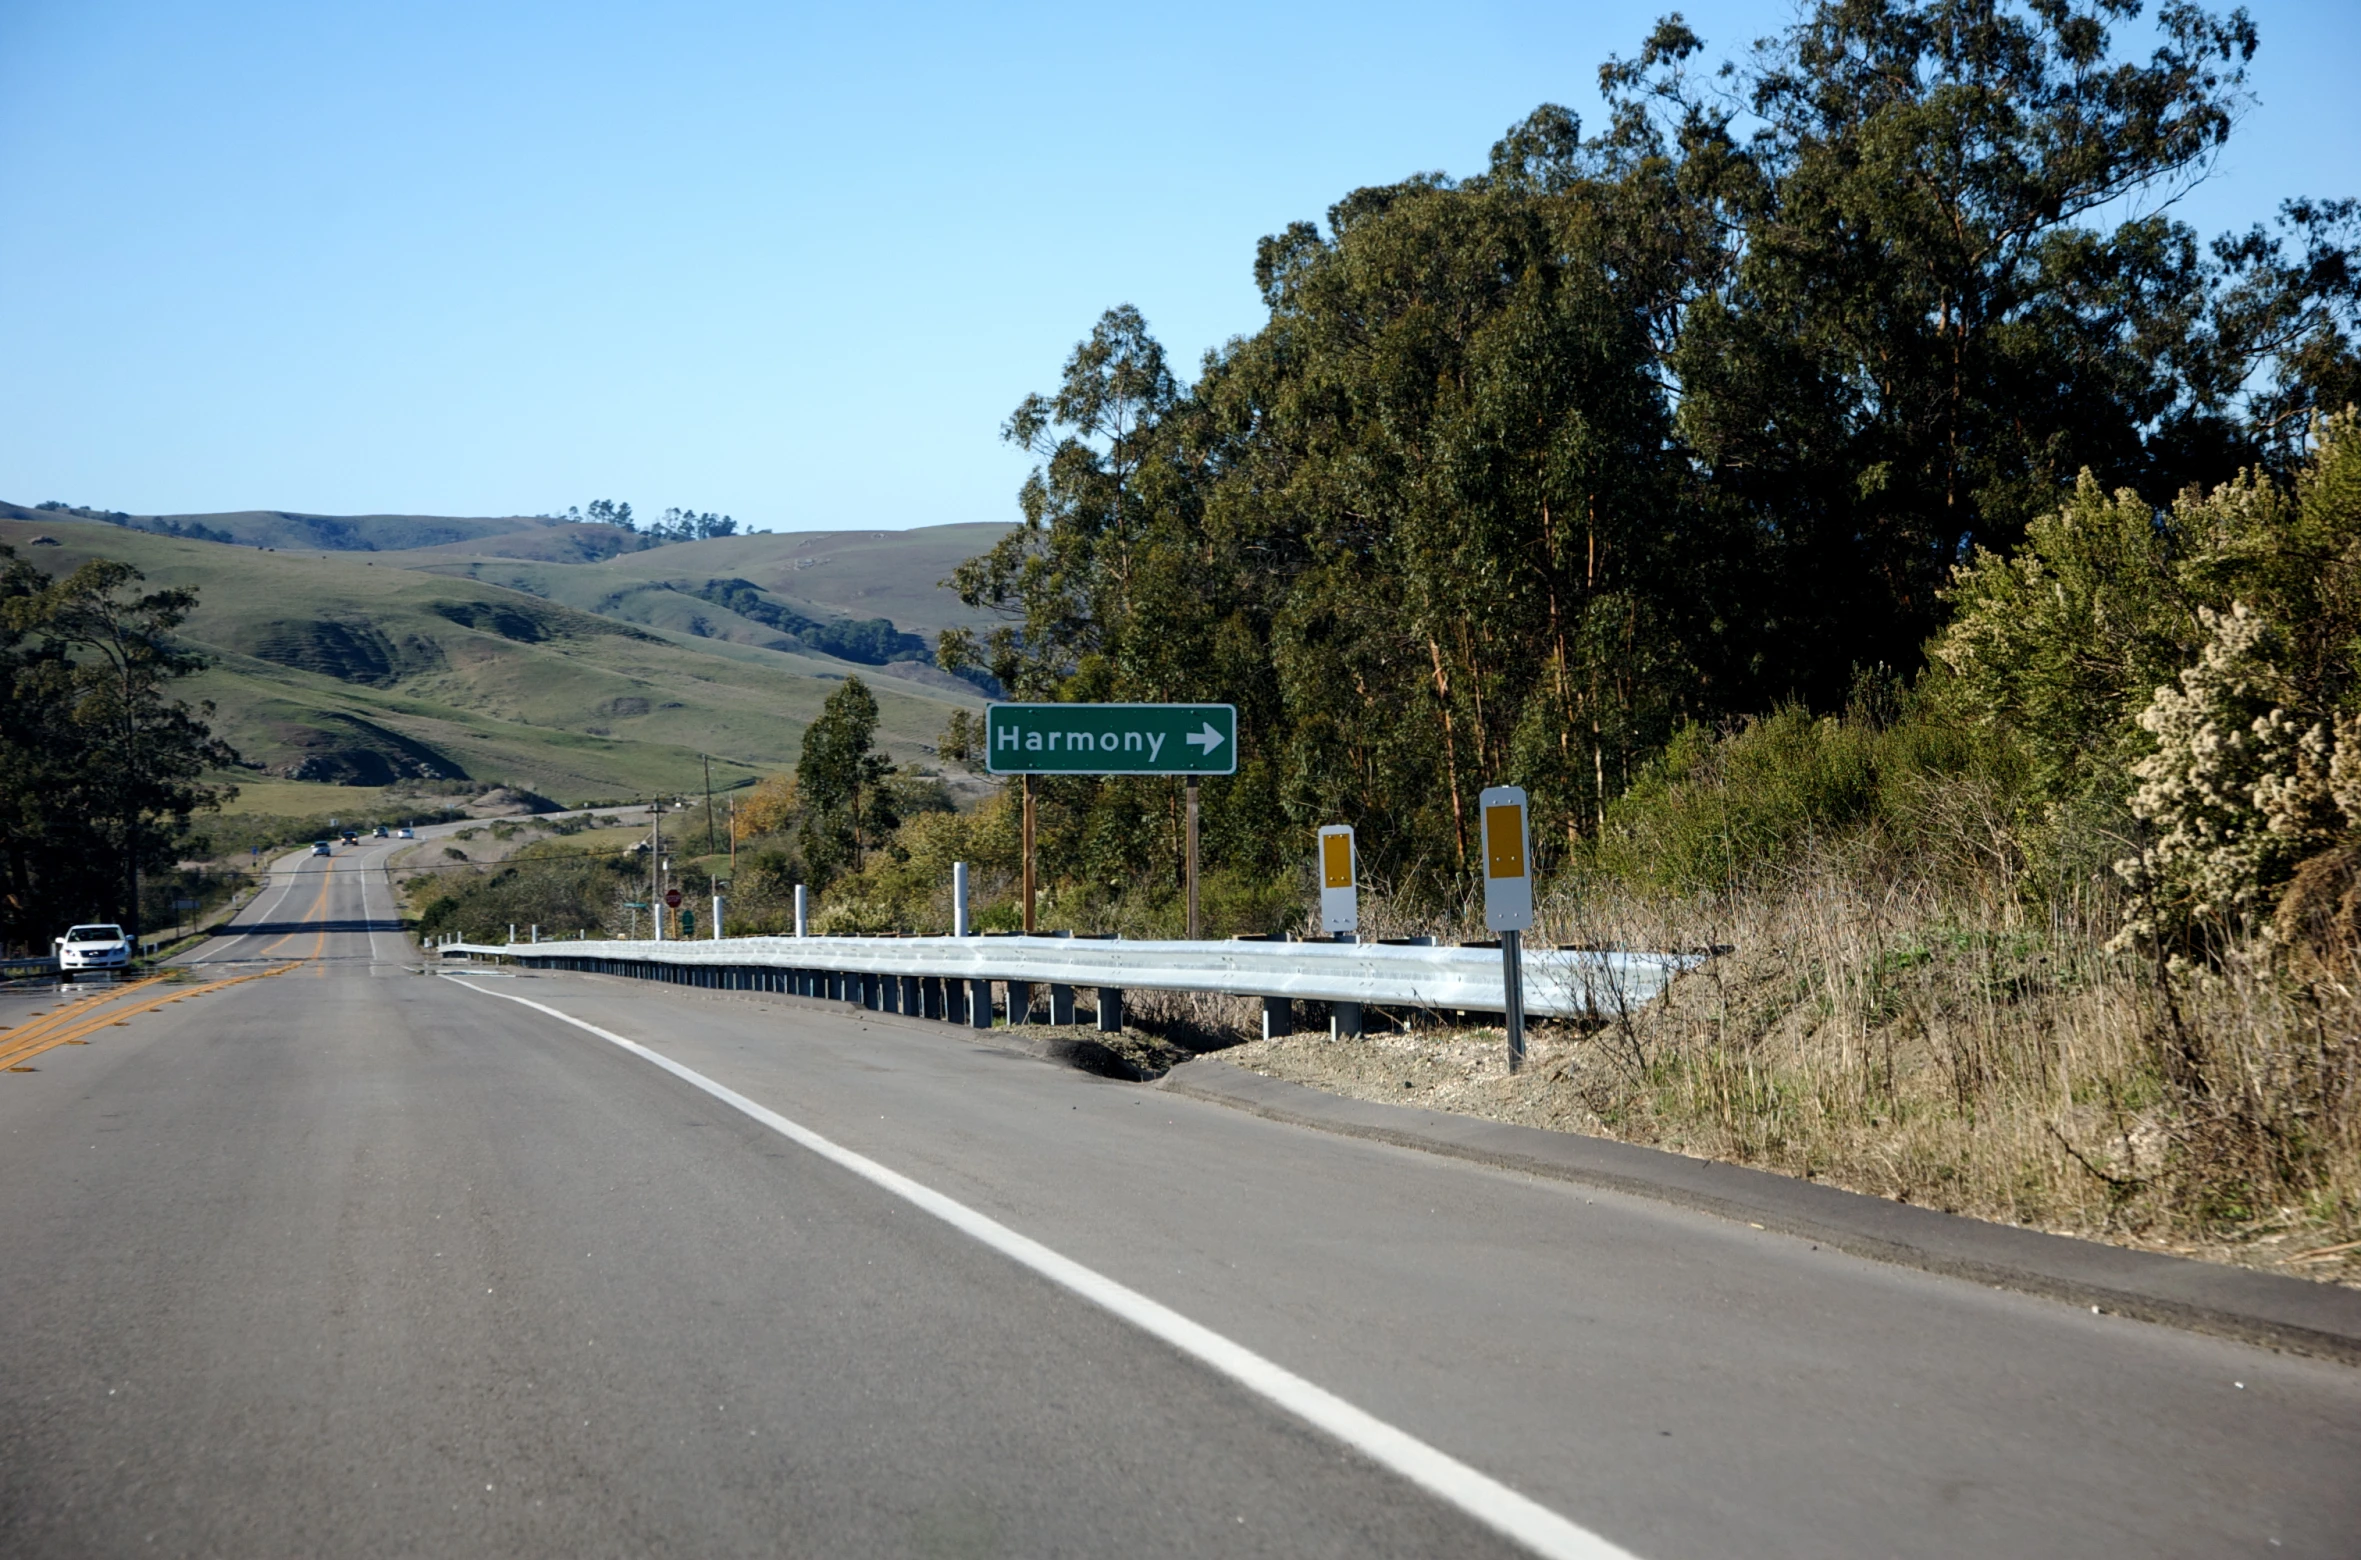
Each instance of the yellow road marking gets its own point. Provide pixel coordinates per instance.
(313, 914)
(23, 1050)
(73, 1013)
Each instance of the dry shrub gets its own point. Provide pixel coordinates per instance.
(1936, 1040)
(1941, 1045)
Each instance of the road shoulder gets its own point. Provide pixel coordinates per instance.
(2321, 1320)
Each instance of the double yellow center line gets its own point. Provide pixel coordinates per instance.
(68, 1025)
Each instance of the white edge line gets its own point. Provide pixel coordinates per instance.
(1481, 1496)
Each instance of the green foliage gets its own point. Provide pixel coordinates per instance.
(100, 768)
(1720, 810)
(563, 892)
(847, 808)
(2063, 641)
(1525, 472)
(2068, 641)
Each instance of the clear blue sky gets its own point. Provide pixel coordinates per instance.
(793, 264)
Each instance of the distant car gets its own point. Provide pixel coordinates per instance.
(351, 837)
(323, 848)
(101, 947)
(405, 833)
(380, 834)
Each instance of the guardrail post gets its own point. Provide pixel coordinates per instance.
(979, 1004)
(1110, 1010)
(1344, 1020)
(930, 996)
(1020, 998)
(1278, 1017)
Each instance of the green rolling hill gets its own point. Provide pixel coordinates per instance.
(490, 655)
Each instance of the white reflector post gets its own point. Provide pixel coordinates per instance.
(1508, 860)
(1508, 902)
(1340, 900)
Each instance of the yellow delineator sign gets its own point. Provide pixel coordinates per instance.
(1340, 901)
(1508, 860)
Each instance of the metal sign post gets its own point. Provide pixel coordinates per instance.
(1029, 855)
(1191, 853)
(1508, 900)
(1340, 900)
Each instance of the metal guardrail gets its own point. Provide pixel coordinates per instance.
(17, 969)
(1562, 982)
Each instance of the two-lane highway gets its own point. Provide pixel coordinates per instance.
(361, 1261)
(319, 909)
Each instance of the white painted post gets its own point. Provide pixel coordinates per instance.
(959, 927)
(1340, 899)
(717, 918)
(802, 906)
(512, 934)
(1508, 901)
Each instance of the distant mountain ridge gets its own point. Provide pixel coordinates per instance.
(291, 528)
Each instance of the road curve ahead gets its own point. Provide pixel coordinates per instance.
(359, 1260)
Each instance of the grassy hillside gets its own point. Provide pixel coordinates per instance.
(823, 574)
(346, 667)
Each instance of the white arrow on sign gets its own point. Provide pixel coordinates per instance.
(1208, 739)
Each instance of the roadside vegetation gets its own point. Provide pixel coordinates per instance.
(101, 768)
(1874, 557)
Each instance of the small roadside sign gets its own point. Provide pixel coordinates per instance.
(1508, 860)
(1340, 900)
(184, 904)
(672, 898)
(1111, 739)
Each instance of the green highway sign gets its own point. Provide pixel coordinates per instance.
(1111, 739)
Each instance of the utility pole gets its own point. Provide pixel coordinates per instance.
(710, 847)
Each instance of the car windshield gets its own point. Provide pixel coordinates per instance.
(94, 933)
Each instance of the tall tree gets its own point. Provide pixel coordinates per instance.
(1950, 283)
(100, 766)
(846, 808)
(1674, 422)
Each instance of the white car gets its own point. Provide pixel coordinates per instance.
(93, 948)
(405, 833)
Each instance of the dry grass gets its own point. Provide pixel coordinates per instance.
(1940, 1044)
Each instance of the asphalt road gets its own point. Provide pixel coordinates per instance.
(357, 1260)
